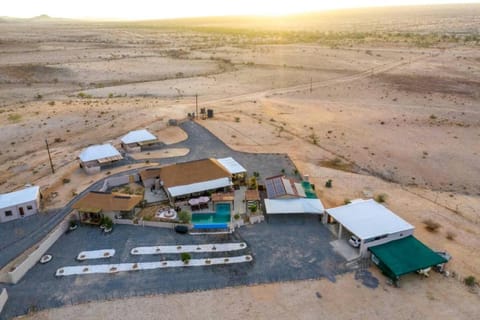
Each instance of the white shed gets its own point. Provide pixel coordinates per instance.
(370, 222)
(19, 204)
(93, 157)
(134, 140)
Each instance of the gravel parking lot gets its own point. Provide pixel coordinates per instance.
(298, 249)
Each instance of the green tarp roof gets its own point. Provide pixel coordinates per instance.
(405, 255)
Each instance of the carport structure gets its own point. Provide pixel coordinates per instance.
(403, 256)
(370, 222)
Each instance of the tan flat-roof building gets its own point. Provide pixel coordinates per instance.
(95, 204)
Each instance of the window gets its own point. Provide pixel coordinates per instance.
(8, 213)
(29, 207)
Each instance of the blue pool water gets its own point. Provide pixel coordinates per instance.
(221, 215)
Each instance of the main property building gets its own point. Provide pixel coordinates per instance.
(186, 179)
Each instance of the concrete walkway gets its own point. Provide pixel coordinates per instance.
(212, 247)
(122, 267)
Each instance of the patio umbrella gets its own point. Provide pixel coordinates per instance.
(193, 202)
(203, 199)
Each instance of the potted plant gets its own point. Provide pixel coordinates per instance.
(73, 225)
(108, 225)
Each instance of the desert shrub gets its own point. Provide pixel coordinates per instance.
(14, 117)
(451, 235)
(433, 117)
(328, 184)
(66, 180)
(83, 95)
(313, 138)
(185, 256)
(237, 119)
(381, 198)
(38, 96)
(431, 225)
(184, 216)
(51, 103)
(470, 281)
(347, 201)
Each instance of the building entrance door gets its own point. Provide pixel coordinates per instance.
(22, 212)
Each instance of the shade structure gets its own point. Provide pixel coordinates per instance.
(292, 206)
(403, 256)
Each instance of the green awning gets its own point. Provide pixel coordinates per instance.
(403, 256)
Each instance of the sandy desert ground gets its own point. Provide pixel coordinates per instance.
(377, 114)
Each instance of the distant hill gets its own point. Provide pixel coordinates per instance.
(42, 17)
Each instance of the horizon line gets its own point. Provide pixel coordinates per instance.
(111, 19)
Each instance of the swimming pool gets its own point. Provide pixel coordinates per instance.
(221, 215)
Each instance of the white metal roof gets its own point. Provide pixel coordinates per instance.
(368, 219)
(18, 197)
(300, 205)
(98, 152)
(138, 136)
(232, 165)
(199, 187)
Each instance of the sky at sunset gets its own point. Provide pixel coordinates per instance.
(158, 9)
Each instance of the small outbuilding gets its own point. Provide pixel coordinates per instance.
(135, 140)
(370, 222)
(94, 157)
(19, 204)
(95, 205)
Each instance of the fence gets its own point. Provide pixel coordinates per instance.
(3, 299)
(143, 223)
(118, 181)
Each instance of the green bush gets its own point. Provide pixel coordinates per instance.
(381, 198)
(431, 225)
(470, 281)
(184, 216)
(14, 117)
(328, 184)
(185, 256)
(236, 216)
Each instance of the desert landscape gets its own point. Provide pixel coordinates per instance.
(382, 102)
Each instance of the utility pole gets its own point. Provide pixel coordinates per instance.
(196, 105)
(49, 156)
